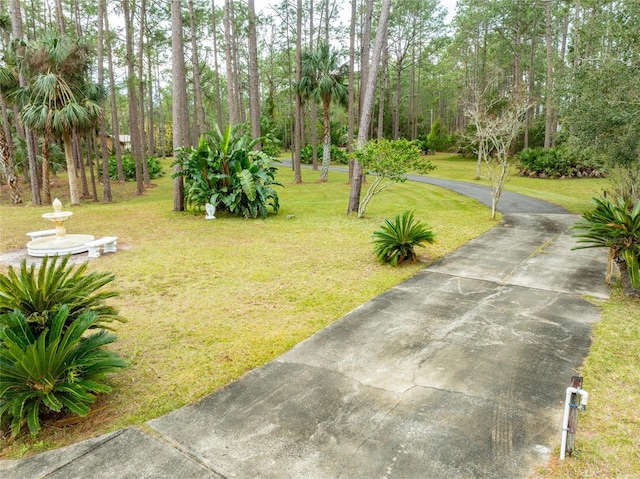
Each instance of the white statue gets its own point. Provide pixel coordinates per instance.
(211, 210)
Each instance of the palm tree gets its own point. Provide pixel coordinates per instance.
(323, 82)
(58, 98)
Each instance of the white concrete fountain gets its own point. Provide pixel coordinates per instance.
(60, 243)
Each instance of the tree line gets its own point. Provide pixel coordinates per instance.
(76, 75)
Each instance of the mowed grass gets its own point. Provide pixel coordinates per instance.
(573, 194)
(206, 301)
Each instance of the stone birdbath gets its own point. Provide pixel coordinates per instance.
(60, 243)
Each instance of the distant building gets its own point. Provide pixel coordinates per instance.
(111, 146)
(125, 140)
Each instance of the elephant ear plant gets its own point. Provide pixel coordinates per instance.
(614, 225)
(49, 360)
(396, 240)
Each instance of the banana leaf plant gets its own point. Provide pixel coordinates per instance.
(227, 171)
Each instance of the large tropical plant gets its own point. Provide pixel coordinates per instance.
(57, 370)
(396, 240)
(226, 170)
(614, 225)
(40, 294)
(323, 81)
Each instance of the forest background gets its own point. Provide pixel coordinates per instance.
(173, 70)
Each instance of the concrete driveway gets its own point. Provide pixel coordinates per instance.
(458, 372)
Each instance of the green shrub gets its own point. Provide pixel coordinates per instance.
(225, 170)
(556, 163)
(39, 295)
(57, 370)
(306, 155)
(422, 142)
(129, 168)
(339, 156)
(395, 241)
(614, 225)
(270, 142)
(438, 138)
(390, 161)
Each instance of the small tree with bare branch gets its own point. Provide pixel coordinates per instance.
(497, 125)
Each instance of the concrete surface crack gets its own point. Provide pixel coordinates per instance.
(185, 452)
(448, 391)
(344, 375)
(369, 436)
(88, 451)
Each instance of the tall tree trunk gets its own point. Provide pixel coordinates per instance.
(180, 111)
(106, 180)
(8, 163)
(530, 87)
(141, 95)
(398, 93)
(234, 115)
(17, 32)
(152, 123)
(77, 154)
(60, 18)
(365, 116)
(351, 87)
(134, 125)
(314, 105)
(364, 54)
(199, 126)
(254, 79)
(548, 125)
(162, 132)
(115, 128)
(326, 143)
(237, 77)
(291, 121)
(71, 167)
(299, 125)
(216, 70)
(92, 176)
(383, 80)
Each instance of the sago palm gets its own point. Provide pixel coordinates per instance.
(40, 294)
(395, 242)
(57, 370)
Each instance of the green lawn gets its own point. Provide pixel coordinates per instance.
(573, 194)
(208, 300)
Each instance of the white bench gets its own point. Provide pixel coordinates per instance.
(108, 242)
(34, 235)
